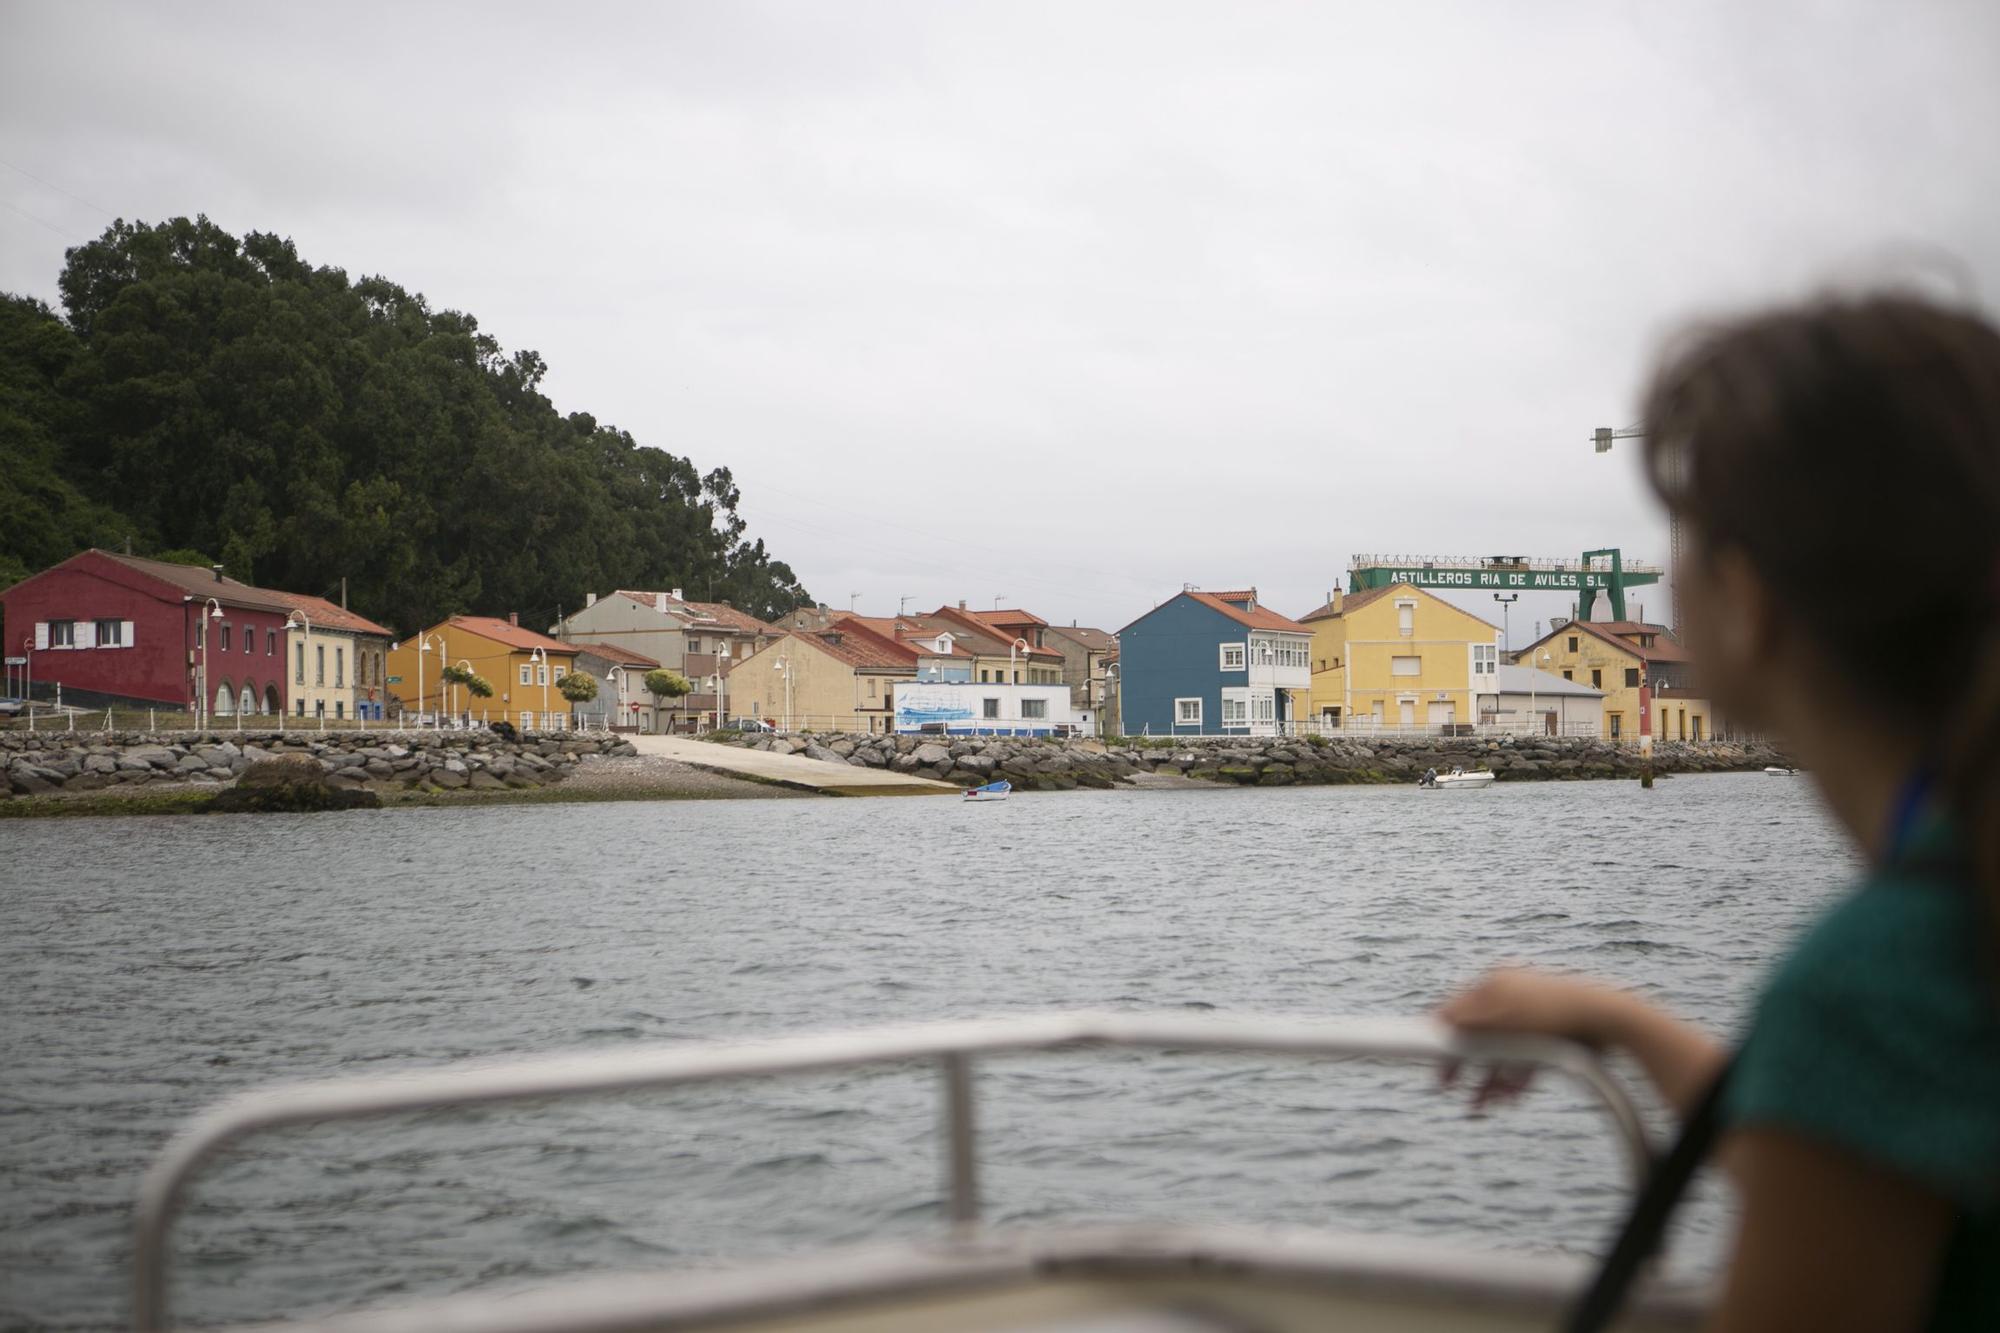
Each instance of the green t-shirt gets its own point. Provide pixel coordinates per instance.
(1880, 1035)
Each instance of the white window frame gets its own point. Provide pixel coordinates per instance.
(1406, 617)
(1181, 717)
(1234, 657)
(527, 672)
(1235, 706)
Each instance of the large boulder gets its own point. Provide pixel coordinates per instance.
(287, 785)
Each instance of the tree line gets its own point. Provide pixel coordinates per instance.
(221, 400)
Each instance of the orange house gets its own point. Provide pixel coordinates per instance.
(522, 666)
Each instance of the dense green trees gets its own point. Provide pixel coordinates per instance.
(224, 396)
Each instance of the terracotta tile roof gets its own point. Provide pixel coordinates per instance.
(1352, 601)
(611, 652)
(859, 646)
(1261, 618)
(197, 581)
(716, 612)
(1094, 639)
(1665, 649)
(1237, 595)
(1011, 616)
(977, 624)
(512, 635)
(331, 616)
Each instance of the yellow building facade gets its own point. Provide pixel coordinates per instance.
(1400, 658)
(842, 678)
(1645, 675)
(522, 666)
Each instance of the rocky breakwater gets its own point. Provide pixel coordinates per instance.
(45, 763)
(1035, 764)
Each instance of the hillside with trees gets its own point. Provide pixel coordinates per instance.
(225, 401)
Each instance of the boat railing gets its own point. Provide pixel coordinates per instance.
(955, 1046)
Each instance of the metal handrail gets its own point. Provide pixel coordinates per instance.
(952, 1044)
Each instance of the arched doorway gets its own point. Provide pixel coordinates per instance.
(246, 702)
(271, 700)
(225, 700)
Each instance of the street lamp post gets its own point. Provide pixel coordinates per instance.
(783, 666)
(1013, 676)
(1506, 600)
(1104, 703)
(210, 610)
(541, 654)
(28, 677)
(461, 662)
(424, 646)
(1532, 714)
(305, 653)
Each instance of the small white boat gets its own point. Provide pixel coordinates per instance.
(992, 791)
(1778, 772)
(1457, 778)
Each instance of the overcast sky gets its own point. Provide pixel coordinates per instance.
(1068, 304)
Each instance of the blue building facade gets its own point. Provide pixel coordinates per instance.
(1204, 663)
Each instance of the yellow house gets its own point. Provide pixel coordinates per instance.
(840, 678)
(1399, 657)
(1646, 676)
(522, 666)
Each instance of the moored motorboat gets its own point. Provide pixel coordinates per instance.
(992, 791)
(1457, 779)
(1779, 771)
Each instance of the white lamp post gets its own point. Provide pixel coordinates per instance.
(212, 610)
(305, 652)
(1013, 676)
(541, 655)
(461, 662)
(783, 666)
(424, 646)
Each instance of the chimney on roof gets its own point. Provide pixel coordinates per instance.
(676, 595)
(218, 572)
(514, 619)
(589, 600)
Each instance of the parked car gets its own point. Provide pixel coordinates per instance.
(752, 724)
(10, 707)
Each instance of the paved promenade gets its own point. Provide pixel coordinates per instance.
(790, 770)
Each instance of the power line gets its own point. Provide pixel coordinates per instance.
(63, 232)
(57, 188)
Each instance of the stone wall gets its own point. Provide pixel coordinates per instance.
(1271, 761)
(38, 763)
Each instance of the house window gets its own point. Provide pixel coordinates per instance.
(1485, 659)
(1572, 643)
(524, 674)
(62, 634)
(339, 708)
(110, 634)
(1264, 707)
(339, 666)
(299, 677)
(1036, 708)
(1187, 712)
(1596, 679)
(270, 643)
(1568, 674)
(541, 673)
(1406, 618)
(319, 664)
(1406, 666)
(1235, 708)
(871, 687)
(1617, 721)
(249, 638)
(560, 673)
(224, 640)
(1232, 657)
(299, 705)
(1631, 677)
(990, 708)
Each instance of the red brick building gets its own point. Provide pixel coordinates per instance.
(120, 629)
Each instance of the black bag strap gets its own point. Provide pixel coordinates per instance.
(1640, 1236)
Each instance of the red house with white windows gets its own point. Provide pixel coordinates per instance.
(120, 629)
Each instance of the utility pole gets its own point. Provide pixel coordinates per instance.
(1506, 600)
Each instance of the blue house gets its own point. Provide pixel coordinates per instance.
(1212, 663)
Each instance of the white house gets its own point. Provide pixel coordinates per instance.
(1541, 701)
(989, 708)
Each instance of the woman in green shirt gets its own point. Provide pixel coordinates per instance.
(1836, 470)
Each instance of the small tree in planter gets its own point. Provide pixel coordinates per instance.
(665, 684)
(579, 687)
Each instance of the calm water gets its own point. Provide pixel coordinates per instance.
(154, 965)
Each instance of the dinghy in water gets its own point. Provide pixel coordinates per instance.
(1457, 779)
(1141, 1278)
(992, 791)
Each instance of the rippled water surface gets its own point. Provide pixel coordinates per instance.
(153, 965)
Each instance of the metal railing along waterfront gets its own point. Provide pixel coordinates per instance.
(954, 1047)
